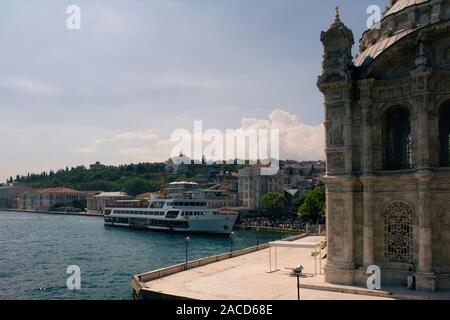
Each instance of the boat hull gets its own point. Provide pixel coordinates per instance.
(218, 225)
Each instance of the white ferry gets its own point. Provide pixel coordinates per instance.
(183, 215)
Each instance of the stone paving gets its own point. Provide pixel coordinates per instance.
(247, 278)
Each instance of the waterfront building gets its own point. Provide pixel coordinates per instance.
(52, 198)
(96, 203)
(387, 120)
(9, 195)
(253, 185)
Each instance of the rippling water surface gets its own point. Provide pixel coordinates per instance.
(35, 251)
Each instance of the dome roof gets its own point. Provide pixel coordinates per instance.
(395, 25)
(399, 5)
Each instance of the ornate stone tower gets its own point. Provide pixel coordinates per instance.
(387, 121)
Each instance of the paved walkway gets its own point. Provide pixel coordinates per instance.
(247, 278)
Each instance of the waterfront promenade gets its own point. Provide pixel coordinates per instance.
(246, 277)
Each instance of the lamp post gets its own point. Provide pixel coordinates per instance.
(231, 241)
(186, 241)
(298, 273)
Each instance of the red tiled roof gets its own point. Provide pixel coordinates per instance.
(54, 190)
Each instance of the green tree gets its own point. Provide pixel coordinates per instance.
(100, 185)
(273, 203)
(313, 208)
(298, 201)
(135, 186)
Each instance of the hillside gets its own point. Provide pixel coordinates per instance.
(133, 178)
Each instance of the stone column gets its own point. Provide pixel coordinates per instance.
(367, 138)
(425, 250)
(348, 136)
(348, 224)
(423, 130)
(368, 224)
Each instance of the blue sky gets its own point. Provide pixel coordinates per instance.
(138, 70)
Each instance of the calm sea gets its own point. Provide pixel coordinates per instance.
(35, 251)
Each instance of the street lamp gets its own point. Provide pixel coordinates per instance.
(298, 273)
(187, 240)
(231, 241)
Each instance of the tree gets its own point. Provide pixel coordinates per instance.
(313, 208)
(273, 203)
(136, 186)
(298, 201)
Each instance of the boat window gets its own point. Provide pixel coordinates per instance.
(172, 214)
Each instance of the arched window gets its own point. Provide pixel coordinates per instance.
(444, 135)
(398, 233)
(397, 139)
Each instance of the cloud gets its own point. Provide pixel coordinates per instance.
(180, 82)
(133, 152)
(29, 86)
(86, 150)
(298, 140)
(137, 135)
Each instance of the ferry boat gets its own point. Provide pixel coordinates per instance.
(177, 215)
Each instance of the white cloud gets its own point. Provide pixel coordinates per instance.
(298, 140)
(137, 135)
(30, 86)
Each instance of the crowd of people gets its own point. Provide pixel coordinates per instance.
(291, 223)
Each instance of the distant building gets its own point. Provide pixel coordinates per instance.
(52, 198)
(253, 185)
(218, 197)
(149, 196)
(9, 195)
(178, 164)
(96, 204)
(97, 166)
(184, 190)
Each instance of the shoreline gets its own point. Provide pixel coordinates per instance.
(56, 213)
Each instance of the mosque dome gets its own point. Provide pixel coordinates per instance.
(402, 19)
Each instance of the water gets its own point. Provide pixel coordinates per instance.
(35, 251)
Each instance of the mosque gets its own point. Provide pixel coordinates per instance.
(387, 122)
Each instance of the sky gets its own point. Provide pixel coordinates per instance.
(115, 90)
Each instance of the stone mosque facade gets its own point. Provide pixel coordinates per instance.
(387, 122)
